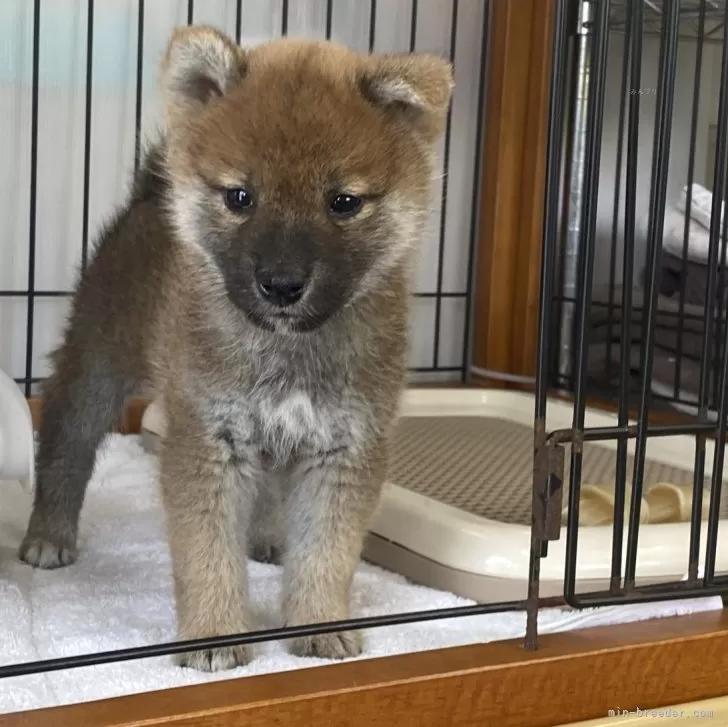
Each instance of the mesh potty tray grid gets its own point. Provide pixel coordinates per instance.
(455, 512)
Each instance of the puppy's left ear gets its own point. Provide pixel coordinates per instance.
(416, 85)
(200, 65)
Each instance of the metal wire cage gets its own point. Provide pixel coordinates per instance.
(86, 72)
(583, 31)
(658, 50)
(623, 228)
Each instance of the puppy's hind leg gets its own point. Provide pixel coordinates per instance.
(82, 401)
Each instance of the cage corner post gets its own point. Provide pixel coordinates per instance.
(513, 178)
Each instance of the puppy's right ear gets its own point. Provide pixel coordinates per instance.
(200, 65)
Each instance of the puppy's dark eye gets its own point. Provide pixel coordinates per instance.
(238, 199)
(345, 205)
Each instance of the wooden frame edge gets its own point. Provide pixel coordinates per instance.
(573, 676)
(507, 274)
(524, 343)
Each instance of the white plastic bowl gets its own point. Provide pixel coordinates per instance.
(17, 450)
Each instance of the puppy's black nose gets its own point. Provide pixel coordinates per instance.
(281, 288)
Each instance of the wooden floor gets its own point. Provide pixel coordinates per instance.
(573, 676)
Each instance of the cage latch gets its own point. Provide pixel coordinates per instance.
(547, 503)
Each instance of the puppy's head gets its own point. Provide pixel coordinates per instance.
(301, 169)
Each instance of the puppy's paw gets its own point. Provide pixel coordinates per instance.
(329, 646)
(216, 659)
(43, 552)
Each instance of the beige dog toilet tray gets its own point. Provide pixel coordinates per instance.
(455, 512)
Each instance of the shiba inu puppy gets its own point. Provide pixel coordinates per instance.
(257, 281)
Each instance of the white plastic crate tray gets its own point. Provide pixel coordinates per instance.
(455, 512)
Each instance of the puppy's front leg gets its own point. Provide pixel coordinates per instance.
(328, 512)
(208, 492)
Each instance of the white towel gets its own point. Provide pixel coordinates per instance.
(673, 234)
(701, 205)
(699, 230)
(119, 595)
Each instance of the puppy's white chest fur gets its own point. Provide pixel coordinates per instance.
(294, 422)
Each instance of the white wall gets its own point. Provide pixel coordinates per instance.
(61, 138)
(680, 142)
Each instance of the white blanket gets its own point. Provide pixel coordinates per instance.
(699, 230)
(119, 595)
